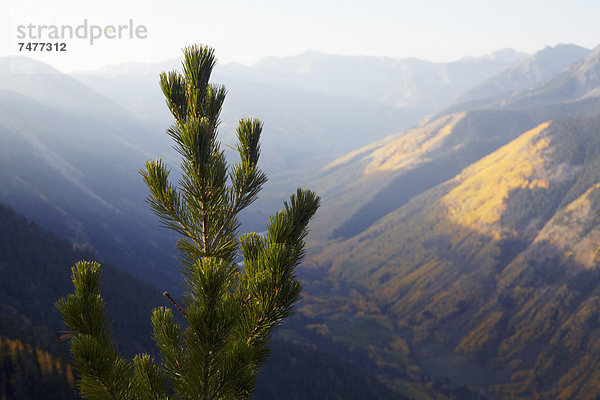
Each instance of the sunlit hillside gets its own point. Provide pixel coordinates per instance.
(493, 270)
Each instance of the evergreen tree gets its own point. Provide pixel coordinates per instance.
(230, 306)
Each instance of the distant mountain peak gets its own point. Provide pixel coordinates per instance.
(579, 80)
(559, 52)
(527, 72)
(506, 54)
(589, 68)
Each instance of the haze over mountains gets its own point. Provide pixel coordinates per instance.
(79, 137)
(75, 172)
(315, 105)
(464, 245)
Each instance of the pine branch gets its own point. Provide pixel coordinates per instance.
(232, 213)
(207, 247)
(181, 310)
(206, 376)
(190, 235)
(226, 222)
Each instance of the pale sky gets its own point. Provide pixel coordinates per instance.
(245, 31)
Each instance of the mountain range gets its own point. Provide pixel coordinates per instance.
(72, 146)
(461, 248)
(315, 105)
(472, 240)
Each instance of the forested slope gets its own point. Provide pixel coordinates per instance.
(467, 246)
(496, 267)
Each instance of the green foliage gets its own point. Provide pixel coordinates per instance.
(96, 360)
(231, 311)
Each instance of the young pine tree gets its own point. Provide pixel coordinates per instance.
(230, 307)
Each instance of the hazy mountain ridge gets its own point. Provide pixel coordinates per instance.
(396, 82)
(301, 126)
(577, 82)
(75, 176)
(315, 106)
(527, 72)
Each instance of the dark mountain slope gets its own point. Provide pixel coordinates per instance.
(35, 269)
(35, 272)
(46, 85)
